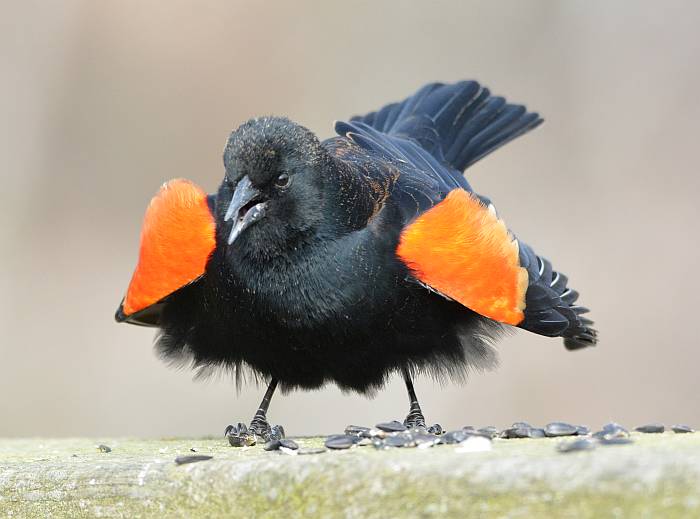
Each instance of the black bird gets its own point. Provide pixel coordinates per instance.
(350, 259)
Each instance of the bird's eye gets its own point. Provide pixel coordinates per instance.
(282, 180)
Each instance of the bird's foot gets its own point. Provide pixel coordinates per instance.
(416, 420)
(240, 435)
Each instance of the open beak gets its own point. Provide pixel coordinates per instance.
(246, 208)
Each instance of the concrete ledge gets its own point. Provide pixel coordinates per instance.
(657, 476)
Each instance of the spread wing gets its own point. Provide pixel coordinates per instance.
(452, 239)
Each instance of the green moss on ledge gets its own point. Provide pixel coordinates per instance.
(657, 476)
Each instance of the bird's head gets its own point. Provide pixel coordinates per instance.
(272, 195)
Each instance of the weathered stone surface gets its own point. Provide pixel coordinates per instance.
(656, 476)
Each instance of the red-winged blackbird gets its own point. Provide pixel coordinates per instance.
(349, 259)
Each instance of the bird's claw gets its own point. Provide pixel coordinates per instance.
(240, 435)
(415, 421)
(435, 429)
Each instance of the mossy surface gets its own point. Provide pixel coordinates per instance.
(657, 476)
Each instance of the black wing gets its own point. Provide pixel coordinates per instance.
(423, 143)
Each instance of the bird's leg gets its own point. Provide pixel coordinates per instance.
(259, 423)
(239, 435)
(415, 418)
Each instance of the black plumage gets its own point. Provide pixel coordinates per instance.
(304, 286)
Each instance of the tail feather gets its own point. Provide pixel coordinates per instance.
(466, 123)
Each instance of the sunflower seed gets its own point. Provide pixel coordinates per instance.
(610, 431)
(560, 429)
(340, 441)
(454, 436)
(489, 431)
(650, 428)
(104, 448)
(183, 460)
(399, 440)
(272, 445)
(392, 426)
(519, 432)
(536, 432)
(358, 430)
(582, 430)
(680, 429)
(378, 443)
(288, 444)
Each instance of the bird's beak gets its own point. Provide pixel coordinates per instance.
(246, 208)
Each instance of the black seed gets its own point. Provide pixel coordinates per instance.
(378, 443)
(536, 432)
(680, 429)
(358, 430)
(489, 431)
(560, 429)
(610, 431)
(582, 430)
(392, 426)
(517, 432)
(614, 427)
(183, 460)
(319, 450)
(399, 440)
(454, 436)
(272, 445)
(192, 449)
(435, 429)
(650, 428)
(468, 428)
(617, 440)
(583, 444)
(288, 444)
(340, 441)
(104, 448)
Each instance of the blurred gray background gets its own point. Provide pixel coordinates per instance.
(103, 101)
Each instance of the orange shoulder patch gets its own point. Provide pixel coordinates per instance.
(177, 237)
(462, 250)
